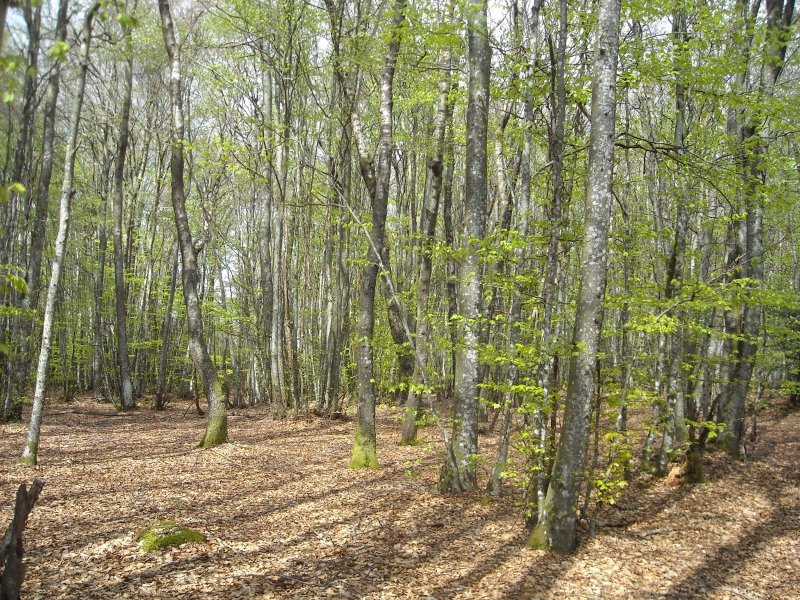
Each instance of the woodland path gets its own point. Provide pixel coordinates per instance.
(285, 518)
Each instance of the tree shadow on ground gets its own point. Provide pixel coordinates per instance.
(721, 566)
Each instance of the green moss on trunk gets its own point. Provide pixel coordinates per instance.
(538, 539)
(216, 432)
(167, 533)
(364, 455)
(30, 454)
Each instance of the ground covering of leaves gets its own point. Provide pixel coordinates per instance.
(284, 517)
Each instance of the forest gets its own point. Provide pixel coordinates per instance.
(394, 298)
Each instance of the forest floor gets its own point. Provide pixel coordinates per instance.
(284, 517)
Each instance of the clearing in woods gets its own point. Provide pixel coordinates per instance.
(284, 517)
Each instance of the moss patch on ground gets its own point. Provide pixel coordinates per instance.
(167, 533)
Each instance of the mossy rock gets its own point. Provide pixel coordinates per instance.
(167, 533)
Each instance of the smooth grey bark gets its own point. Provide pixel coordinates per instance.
(754, 174)
(217, 427)
(556, 529)
(428, 218)
(552, 262)
(459, 472)
(21, 363)
(30, 453)
(377, 181)
(121, 294)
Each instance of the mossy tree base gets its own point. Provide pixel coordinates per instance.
(162, 534)
(29, 456)
(538, 540)
(216, 432)
(364, 456)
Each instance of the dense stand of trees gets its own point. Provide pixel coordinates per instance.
(550, 213)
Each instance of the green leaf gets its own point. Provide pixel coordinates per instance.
(59, 51)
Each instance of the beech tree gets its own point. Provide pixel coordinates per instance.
(217, 428)
(459, 470)
(556, 527)
(30, 453)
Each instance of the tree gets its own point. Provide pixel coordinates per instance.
(752, 163)
(126, 386)
(428, 217)
(217, 428)
(376, 179)
(556, 527)
(19, 365)
(30, 453)
(459, 472)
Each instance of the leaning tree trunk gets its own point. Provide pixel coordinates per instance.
(217, 428)
(556, 529)
(126, 387)
(459, 472)
(29, 455)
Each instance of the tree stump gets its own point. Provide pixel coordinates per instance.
(11, 549)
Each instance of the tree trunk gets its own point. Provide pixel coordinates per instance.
(754, 173)
(29, 455)
(21, 363)
(217, 428)
(430, 211)
(459, 472)
(126, 387)
(376, 180)
(159, 402)
(11, 548)
(556, 529)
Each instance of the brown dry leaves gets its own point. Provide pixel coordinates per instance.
(285, 518)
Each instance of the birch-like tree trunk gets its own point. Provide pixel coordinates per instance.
(21, 363)
(30, 453)
(556, 529)
(459, 472)
(217, 428)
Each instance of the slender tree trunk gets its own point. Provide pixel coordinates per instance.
(556, 529)
(98, 358)
(459, 472)
(376, 180)
(217, 427)
(549, 292)
(21, 363)
(528, 40)
(159, 402)
(673, 403)
(430, 211)
(29, 455)
(754, 174)
(126, 386)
